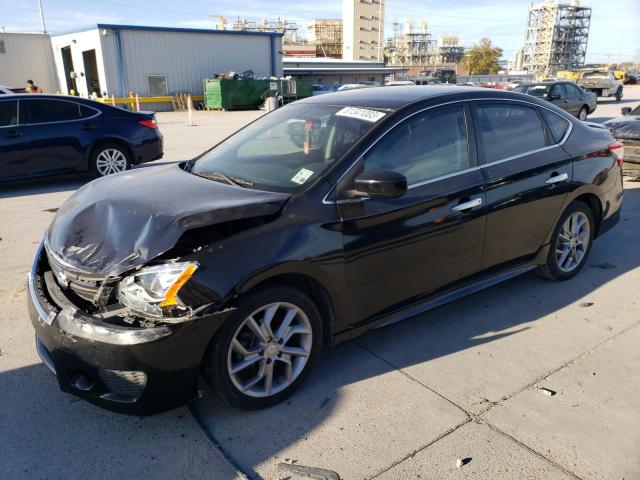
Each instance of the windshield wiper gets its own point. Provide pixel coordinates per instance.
(237, 182)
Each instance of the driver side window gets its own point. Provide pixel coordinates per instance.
(428, 145)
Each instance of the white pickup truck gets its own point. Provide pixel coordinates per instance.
(602, 83)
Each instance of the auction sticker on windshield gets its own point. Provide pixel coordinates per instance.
(361, 114)
(302, 176)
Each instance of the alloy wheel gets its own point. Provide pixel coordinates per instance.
(270, 349)
(583, 114)
(573, 242)
(111, 161)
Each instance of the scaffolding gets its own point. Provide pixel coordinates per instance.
(556, 37)
(289, 29)
(326, 35)
(413, 48)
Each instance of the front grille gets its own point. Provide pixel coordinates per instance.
(125, 383)
(84, 285)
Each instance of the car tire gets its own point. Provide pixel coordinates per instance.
(240, 359)
(108, 158)
(583, 113)
(570, 243)
(619, 95)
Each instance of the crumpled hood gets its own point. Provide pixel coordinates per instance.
(627, 126)
(121, 221)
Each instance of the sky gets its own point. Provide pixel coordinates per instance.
(614, 34)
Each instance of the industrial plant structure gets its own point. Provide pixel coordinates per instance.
(363, 30)
(326, 35)
(556, 37)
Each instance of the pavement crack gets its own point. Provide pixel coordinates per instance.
(568, 363)
(534, 452)
(418, 450)
(226, 458)
(470, 415)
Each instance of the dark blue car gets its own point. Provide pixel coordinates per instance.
(52, 134)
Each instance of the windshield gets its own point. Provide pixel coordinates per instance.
(636, 111)
(539, 91)
(288, 148)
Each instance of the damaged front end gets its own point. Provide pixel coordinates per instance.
(107, 352)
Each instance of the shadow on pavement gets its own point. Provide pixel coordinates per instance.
(254, 439)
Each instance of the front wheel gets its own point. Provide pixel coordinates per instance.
(265, 349)
(619, 95)
(570, 243)
(108, 158)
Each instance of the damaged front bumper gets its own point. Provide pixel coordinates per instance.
(119, 367)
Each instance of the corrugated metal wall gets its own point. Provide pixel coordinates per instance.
(27, 56)
(187, 58)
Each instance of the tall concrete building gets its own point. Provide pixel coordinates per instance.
(363, 30)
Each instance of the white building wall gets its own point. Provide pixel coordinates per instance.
(27, 56)
(363, 29)
(80, 42)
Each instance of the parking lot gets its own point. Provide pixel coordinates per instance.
(528, 379)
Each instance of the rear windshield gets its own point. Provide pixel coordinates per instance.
(289, 148)
(539, 91)
(596, 75)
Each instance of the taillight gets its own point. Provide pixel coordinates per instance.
(148, 123)
(617, 150)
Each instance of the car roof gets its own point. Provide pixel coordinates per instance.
(396, 97)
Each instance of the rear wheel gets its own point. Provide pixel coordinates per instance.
(108, 158)
(584, 111)
(265, 349)
(570, 243)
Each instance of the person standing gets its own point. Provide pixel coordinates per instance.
(32, 88)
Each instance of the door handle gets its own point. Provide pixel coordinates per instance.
(13, 134)
(563, 177)
(89, 126)
(476, 202)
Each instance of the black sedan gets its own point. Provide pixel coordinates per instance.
(566, 95)
(315, 223)
(52, 134)
(626, 129)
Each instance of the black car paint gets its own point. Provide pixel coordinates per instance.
(331, 245)
(31, 150)
(564, 100)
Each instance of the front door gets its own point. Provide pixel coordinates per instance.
(12, 145)
(558, 96)
(528, 177)
(398, 251)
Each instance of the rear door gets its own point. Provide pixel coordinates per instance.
(54, 134)
(402, 249)
(576, 99)
(528, 176)
(13, 154)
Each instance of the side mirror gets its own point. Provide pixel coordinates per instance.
(381, 183)
(625, 110)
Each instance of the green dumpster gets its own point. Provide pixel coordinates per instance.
(222, 94)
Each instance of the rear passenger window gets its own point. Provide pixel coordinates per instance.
(556, 124)
(8, 113)
(46, 111)
(86, 112)
(508, 130)
(428, 145)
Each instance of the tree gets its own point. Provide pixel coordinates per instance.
(482, 58)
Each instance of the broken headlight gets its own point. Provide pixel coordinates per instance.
(153, 291)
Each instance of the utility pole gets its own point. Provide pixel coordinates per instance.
(44, 28)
